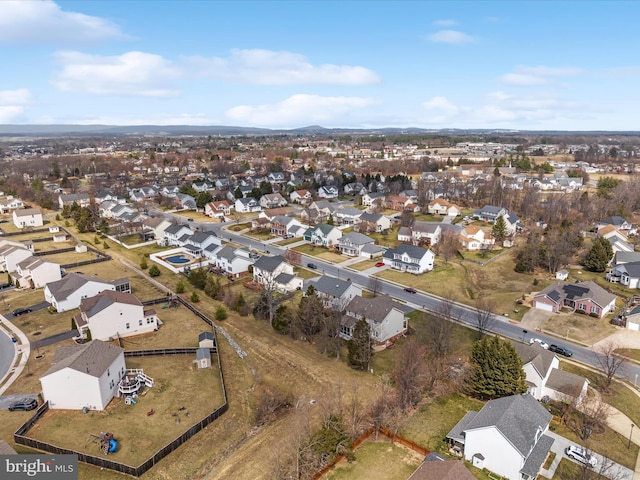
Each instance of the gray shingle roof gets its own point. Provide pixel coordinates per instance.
(565, 382)
(331, 286)
(578, 291)
(356, 238)
(61, 289)
(517, 417)
(268, 263)
(374, 309)
(92, 358)
(537, 456)
(540, 358)
(94, 305)
(457, 432)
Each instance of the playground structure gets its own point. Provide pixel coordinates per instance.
(172, 303)
(132, 381)
(105, 441)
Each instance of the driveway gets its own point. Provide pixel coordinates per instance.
(606, 468)
(534, 318)
(6, 400)
(37, 306)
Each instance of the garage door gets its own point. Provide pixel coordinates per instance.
(543, 306)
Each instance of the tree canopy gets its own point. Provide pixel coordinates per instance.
(599, 255)
(497, 369)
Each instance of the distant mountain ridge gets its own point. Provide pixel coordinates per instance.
(61, 130)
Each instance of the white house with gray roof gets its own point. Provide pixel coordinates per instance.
(410, 258)
(175, 232)
(234, 261)
(627, 274)
(83, 376)
(507, 437)
(113, 314)
(11, 254)
(421, 233)
(36, 272)
(334, 292)
(384, 316)
(274, 272)
(588, 297)
(67, 293)
(27, 217)
(352, 244)
(323, 234)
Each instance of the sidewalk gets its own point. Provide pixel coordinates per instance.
(22, 349)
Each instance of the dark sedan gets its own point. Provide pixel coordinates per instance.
(561, 350)
(20, 311)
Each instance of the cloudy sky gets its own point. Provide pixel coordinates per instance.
(472, 64)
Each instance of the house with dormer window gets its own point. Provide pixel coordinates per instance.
(323, 234)
(353, 243)
(410, 258)
(273, 272)
(282, 226)
(384, 316)
(247, 205)
(272, 200)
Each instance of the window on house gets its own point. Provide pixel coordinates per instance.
(140, 322)
(108, 372)
(127, 326)
(595, 310)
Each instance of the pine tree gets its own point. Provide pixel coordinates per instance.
(497, 369)
(499, 230)
(221, 313)
(359, 347)
(599, 255)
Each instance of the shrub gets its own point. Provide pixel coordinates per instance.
(73, 323)
(52, 309)
(581, 312)
(594, 315)
(58, 217)
(195, 298)
(154, 271)
(105, 244)
(144, 264)
(520, 268)
(66, 223)
(535, 281)
(180, 286)
(89, 335)
(221, 313)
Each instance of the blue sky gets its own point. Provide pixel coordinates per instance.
(472, 64)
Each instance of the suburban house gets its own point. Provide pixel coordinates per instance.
(544, 377)
(353, 243)
(439, 206)
(27, 217)
(587, 297)
(272, 200)
(618, 222)
(347, 216)
(373, 222)
(427, 233)
(395, 202)
(35, 272)
(282, 226)
(384, 316)
(234, 261)
(490, 213)
(373, 199)
(300, 196)
(474, 238)
(335, 293)
(83, 376)
(627, 274)
(410, 258)
(625, 257)
(11, 255)
(247, 205)
(113, 314)
(217, 209)
(354, 188)
(9, 204)
(185, 201)
(617, 238)
(273, 272)
(177, 234)
(198, 243)
(323, 234)
(68, 292)
(318, 211)
(328, 192)
(157, 225)
(507, 437)
(81, 199)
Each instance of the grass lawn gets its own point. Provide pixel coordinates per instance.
(197, 216)
(72, 257)
(427, 217)
(390, 239)
(568, 470)
(584, 275)
(582, 328)
(380, 459)
(177, 384)
(306, 273)
(364, 265)
(430, 424)
(289, 241)
(130, 239)
(321, 253)
(259, 234)
(632, 353)
(481, 256)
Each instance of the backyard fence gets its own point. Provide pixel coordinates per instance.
(24, 232)
(53, 252)
(20, 435)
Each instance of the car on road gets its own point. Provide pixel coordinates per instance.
(380, 264)
(410, 290)
(5, 285)
(540, 342)
(20, 311)
(561, 350)
(312, 266)
(581, 455)
(25, 404)
(287, 236)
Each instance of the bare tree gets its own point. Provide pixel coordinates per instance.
(292, 256)
(484, 318)
(448, 245)
(375, 285)
(609, 361)
(409, 374)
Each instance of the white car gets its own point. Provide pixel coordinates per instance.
(581, 455)
(542, 343)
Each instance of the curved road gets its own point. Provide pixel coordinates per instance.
(464, 314)
(7, 352)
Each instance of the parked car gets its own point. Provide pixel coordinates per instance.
(4, 285)
(561, 350)
(410, 290)
(581, 455)
(287, 236)
(540, 342)
(20, 311)
(312, 266)
(25, 404)
(380, 264)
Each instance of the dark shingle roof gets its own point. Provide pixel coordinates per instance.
(268, 263)
(565, 382)
(61, 289)
(374, 309)
(540, 358)
(331, 285)
(93, 305)
(537, 456)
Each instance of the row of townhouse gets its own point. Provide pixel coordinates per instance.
(25, 269)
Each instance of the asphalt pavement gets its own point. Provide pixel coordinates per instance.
(7, 352)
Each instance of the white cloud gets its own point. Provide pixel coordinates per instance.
(141, 119)
(538, 75)
(445, 23)
(13, 104)
(45, 22)
(130, 74)
(453, 37)
(441, 104)
(267, 67)
(298, 110)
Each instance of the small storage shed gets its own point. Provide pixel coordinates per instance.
(203, 358)
(206, 340)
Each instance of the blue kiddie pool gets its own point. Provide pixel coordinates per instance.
(113, 445)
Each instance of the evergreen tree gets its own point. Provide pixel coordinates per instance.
(599, 255)
(221, 313)
(360, 347)
(154, 271)
(499, 229)
(497, 369)
(237, 193)
(143, 263)
(180, 286)
(195, 298)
